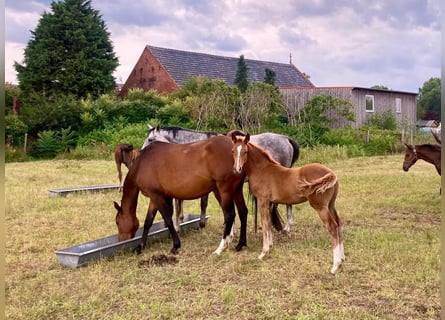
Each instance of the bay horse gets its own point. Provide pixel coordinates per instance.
(164, 171)
(124, 153)
(282, 148)
(428, 152)
(273, 183)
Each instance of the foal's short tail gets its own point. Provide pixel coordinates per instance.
(319, 185)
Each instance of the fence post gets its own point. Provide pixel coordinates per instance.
(25, 143)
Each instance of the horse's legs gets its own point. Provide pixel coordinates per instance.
(229, 216)
(266, 226)
(166, 209)
(289, 219)
(204, 203)
(255, 213)
(151, 213)
(179, 208)
(328, 214)
(242, 214)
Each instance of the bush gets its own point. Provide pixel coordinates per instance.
(15, 130)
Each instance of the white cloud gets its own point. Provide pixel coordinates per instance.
(345, 42)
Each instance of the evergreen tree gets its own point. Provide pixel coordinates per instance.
(270, 77)
(241, 75)
(69, 52)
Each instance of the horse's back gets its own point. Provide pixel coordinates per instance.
(282, 148)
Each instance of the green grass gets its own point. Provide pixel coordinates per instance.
(392, 242)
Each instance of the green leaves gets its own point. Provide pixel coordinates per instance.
(70, 52)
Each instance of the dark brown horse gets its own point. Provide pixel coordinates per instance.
(427, 152)
(124, 153)
(164, 171)
(273, 183)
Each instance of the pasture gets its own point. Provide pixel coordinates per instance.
(391, 241)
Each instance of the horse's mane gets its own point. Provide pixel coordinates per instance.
(266, 153)
(429, 146)
(176, 129)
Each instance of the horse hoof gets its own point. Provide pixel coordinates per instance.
(202, 224)
(240, 246)
(138, 249)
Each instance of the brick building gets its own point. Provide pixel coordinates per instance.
(166, 70)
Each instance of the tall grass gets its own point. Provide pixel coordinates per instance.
(392, 240)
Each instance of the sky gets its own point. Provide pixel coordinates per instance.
(358, 43)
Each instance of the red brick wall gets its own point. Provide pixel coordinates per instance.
(148, 74)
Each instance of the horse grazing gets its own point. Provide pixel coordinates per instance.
(124, 153)
(164, 171)
(180, 136)
(282, 148)
(427, 152)
(272, 183)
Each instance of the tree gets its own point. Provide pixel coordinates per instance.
(428, 103)
(270, 77)
(379, 87)
(241, 80)
(69, 52)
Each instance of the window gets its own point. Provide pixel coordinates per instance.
(398, 105)
(369, 103)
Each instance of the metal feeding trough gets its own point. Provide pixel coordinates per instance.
(81, 254)
(65, 191)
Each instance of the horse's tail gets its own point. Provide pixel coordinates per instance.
(277, 221)
(319, 185)
(296, 153)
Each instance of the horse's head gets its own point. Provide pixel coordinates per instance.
(410, 156)
(127, 225)
(239, 151)
(155, 134)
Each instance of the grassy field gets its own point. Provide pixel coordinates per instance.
(392, 243)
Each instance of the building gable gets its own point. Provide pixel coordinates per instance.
(179, 66)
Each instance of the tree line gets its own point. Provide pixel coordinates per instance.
(68, 98)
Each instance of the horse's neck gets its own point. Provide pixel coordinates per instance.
(257, 161)
(430, 157)
(427, 156)
(130, 194)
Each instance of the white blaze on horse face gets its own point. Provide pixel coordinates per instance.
(237, 165)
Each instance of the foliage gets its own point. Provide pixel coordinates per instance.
(15, 130)
(213, 105)
(382, 120)
(70, 53)
(259, 107)
(429, 100)
(50, 143)
(241, 79)
(270, 77)
(10, 93)
(317, 117)
(50, 113)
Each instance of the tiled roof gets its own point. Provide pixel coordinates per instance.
(182, 65)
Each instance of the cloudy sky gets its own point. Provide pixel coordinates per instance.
(338, 43)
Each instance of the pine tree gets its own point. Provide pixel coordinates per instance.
(270, 77)
(241, 80)
(69, 53)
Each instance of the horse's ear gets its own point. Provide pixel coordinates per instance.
(233, 136)
(247, 138)
(117, 206)
(158, 128)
